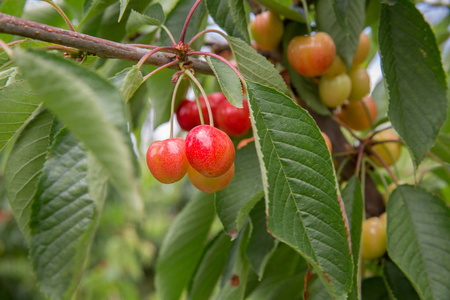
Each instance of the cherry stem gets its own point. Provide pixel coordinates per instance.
(305, 8)
(61, 12)
(366, 109)
(359, 159)
(244, 84)
(172, 105)
(159, 69)
(385, 165)
(150, 53)
(169, 34)
(6, 48)
(203, 32)
(188, 19)
(197, 83)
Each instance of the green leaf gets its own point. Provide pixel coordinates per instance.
(300, 186)
(234, 279)
(64, 216)
(380, 96)
(340, 10)
(282, 9)
(154, 15)
(234, 203)
(230, 16)
(17, 104)
(418, 227)
(228, 80)
(374, 289)
(123, 6)
(345, 37)
(24, 167)
(210, 268)
(91, 108)
(256, 67)
(317, 291)
(352, 195)
(261, 244)
(128, 81)
(442, 147)
(397, 283)
(96, 7)
(418, 103)
(182, 246)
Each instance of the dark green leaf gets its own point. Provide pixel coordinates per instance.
(154, 15)
(418, 227)
(123, 6)
(418, 104)
(300, 186)
(256, 67)
(346, 38)
(282, 9)
(91, 108)
(374, 289)
(128, 81)
(317, 291)
(234, 203)
(183, 245)
(63, 217)
(397, 282)
(230, 16)
(24, 167)
(442, 147)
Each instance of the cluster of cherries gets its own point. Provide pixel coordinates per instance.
(207, 154)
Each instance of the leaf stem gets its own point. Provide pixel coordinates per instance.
(169, 34)
(61, 12)
(159, 69)
(206, 31)
(188, 19)
(305, 8)
(197, 83)
(172, 105)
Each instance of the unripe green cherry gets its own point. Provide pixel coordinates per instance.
(360, 84)
(335, 90)
(336, 68)
(373, 238)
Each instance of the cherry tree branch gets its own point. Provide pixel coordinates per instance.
(92, 45)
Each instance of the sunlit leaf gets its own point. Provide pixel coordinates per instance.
(128, 81)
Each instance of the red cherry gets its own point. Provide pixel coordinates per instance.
(209, 150)
(167, 160)
(186, 115)
(234, 121)
(215, 99)
(210, 184)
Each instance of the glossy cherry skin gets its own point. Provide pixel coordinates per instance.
(360, 84)
(267, 30)
(333, 91)
(373, 238)
(167, 160)
(362, 51)
(234, 121)
(210, 184)
(209, 150)
(355, 115)
(336, 68)
(311, 55)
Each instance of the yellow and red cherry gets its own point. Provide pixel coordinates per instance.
(210, 184)
(359, 115)
(360, 84)
(327, 141)
(373, 238)
(333, 91)
(389, 152)
(336, 68)
(234, 121)
(267, 30)
(167, 160)
(209, 150)
(311, 55)
(362, 50)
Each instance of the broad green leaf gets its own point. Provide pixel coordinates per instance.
(24, 167)
(282, 9)
(346, 38)
(442, 147)
(340, 10)
(317, 291)
(154, 15)
(210, 268)
(374, 288)
(228, 80)
(352, 196)
(177, 17)
(17, 104)
(418, 103)
(261, 244)
(300, 186)
(123, 6)
(306, 88)
(183, 245)
(91, 108)
(397, 283)
(255, 67)
(418, 227)
(230, 16)
(63, 218)
(234, 279)
(128, 81)
(234, 203)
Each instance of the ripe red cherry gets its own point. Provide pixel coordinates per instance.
(167, 160)
(209, 150)
(267, 30)
(210, 184)
(311, 55)
(234, 121)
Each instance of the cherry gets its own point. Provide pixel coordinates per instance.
(355, 115)
(209, 150)
(327, 141)
(389, 152)
(167, 160)
(333, 91)
(234, 121)
(360, 84)
(267, 30)
(210, 184)
(311, 55)
(373, 238)
(362, 50)
(336, 68)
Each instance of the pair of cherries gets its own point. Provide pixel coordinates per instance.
(230, 119)
(207, 156)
